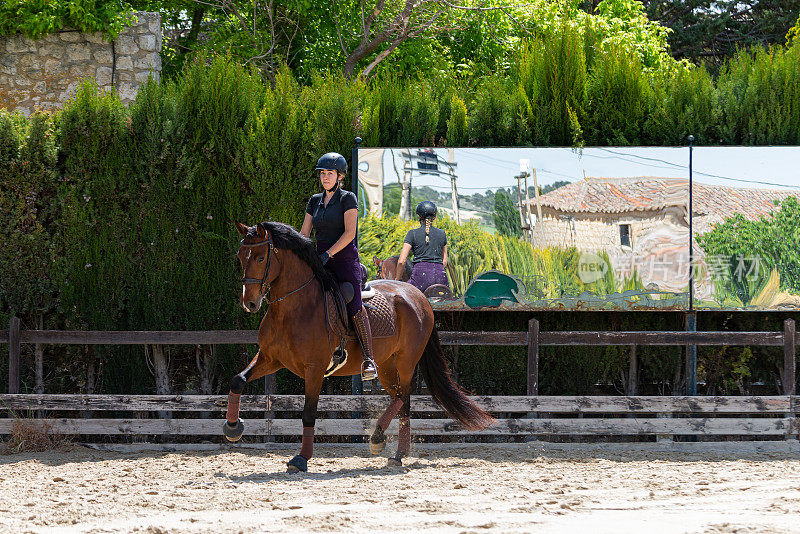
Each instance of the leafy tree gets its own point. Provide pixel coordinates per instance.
(713, 30)
(793, 34)
(771, 241)
(361, 38)
(260, 34)
(506, 216)
(550, 187)
(391, 200)
(36, 18)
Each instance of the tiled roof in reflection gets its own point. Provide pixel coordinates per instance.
(649, 193)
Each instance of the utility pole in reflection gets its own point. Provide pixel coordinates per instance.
(538, 206)
(524, 217)
(405, 188)
(453, 188)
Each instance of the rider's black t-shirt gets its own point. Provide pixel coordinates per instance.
(432, 251)
(328, 221)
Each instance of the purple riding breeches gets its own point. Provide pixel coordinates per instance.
(346, 267)
(426, 274)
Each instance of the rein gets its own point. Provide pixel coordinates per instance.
(292, 291)
(264, 285)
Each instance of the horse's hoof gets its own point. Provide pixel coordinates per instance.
(377, 448)
(377, 441)
(233, 432)
(394, 462)
(297, 464)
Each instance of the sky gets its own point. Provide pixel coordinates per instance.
(479, 169)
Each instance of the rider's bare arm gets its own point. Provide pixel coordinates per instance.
(401, 261)
(444, 256)
(350, 223)
(306, 228)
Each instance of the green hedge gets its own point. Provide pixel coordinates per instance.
(117, 217)
(136, 227)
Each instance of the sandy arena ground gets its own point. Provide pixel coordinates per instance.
(538, 487)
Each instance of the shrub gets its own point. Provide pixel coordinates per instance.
(552, 73)
(759, 96)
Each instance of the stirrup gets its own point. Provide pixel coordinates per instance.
(368, 370)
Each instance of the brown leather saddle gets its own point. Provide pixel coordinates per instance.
(380, 312)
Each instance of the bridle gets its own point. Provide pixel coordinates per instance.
(264, 285)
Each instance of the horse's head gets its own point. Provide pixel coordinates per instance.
(378, 263)
(256, 254)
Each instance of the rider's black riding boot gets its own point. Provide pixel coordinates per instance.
(361, 322)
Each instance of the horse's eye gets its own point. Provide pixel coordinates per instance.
(260, 259)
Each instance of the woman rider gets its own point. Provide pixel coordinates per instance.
(332, 215)
(428, 244)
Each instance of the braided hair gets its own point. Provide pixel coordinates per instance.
(428, 221)
(426, 210)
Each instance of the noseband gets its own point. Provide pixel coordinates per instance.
(264, 285)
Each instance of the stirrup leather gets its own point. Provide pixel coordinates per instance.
(361, 323)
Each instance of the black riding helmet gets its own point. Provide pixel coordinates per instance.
(426, 209)
(332, 161)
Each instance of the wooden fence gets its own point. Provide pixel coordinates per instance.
(532, 338)
(775, 416)
(518, 415)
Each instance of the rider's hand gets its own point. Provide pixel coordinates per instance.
(324, 257)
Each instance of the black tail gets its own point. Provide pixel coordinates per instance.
(446, 392)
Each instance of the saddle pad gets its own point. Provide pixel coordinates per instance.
(381, 315)
(379, 311)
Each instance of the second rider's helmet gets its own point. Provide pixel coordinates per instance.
(426, 209)
(332, 161)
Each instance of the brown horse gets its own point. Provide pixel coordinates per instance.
(387, 269)
(281, 266)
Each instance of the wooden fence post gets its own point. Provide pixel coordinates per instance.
(533, 369)
(633, 372)
(270, 389)
(13, 354)
(789, 357)
(691, 356)
(533, 357)
(356, 388)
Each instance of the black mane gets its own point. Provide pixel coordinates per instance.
(287, 238)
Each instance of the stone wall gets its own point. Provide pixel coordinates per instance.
(593, 232)
(44, 73)
(659, 251)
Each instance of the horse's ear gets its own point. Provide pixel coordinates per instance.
(376, 261)
(262, 233)
(242, 229)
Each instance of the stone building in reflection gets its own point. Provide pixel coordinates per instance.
(643, 225)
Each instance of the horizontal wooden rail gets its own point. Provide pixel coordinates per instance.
(767, 415)
(429, 427)
(23, 403)
(143, 337)
(248, 337)
(133, 403)
(662, 338)
(483, 338)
